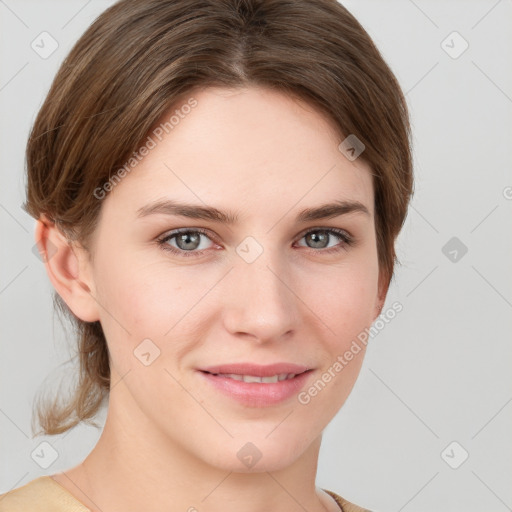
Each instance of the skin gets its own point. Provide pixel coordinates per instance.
(171, 440)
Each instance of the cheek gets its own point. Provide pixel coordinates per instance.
(346, 300)
(346, 307)
(155, 301)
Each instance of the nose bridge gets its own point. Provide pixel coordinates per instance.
(261, 302)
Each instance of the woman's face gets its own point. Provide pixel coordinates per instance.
(191, 320)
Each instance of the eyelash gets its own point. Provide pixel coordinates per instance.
(347, 241)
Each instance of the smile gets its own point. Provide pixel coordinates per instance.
(254, 378)
(256, 385)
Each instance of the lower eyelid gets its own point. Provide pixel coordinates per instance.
(345, 240)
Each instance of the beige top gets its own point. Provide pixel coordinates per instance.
(44, 494)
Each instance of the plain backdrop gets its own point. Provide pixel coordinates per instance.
(428, 424)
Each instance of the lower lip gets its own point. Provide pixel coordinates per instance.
(257, 394)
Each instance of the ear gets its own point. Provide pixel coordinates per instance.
(384, 282)
(68, 268)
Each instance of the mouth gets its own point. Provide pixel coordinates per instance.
(254, 378)
(257, 385)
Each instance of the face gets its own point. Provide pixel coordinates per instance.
(207, 321)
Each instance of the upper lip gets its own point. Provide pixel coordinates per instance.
(256, 369)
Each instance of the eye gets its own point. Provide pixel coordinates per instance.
(319, 237)
(188, 241)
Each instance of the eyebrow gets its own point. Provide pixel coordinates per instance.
(171, 207)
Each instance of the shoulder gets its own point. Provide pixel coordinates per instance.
(344, 505)
(42, 494)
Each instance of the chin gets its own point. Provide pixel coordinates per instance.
(253, 454)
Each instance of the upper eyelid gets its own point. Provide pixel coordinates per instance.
(204, 231)
(174, 232)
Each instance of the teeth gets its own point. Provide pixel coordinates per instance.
(235, 376)
(252, 378)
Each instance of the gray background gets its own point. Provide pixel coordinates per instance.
(439, 372)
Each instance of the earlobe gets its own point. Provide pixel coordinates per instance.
(67, 268)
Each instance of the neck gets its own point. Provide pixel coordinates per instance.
(136, 467)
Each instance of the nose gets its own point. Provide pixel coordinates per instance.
(260, 303)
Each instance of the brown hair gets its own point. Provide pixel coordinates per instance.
(140, 56)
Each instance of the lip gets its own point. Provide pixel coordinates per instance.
(256, 394)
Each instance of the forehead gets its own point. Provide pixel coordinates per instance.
(250, 149)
